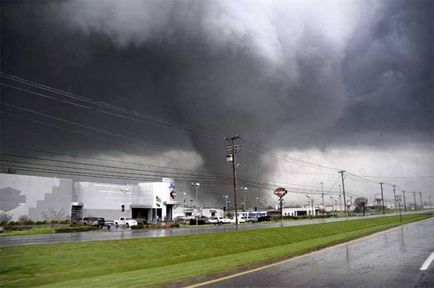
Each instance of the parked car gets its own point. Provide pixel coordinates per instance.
(109, 223)
(89, 220)
(252, 219)
(240, 220)
(100, 222)
(128, 222)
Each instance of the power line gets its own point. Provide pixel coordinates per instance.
(254, 146)
(152, 173)
(76, 124)
(148, 119)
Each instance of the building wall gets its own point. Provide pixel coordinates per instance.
(105, 200)
(38, 198)
(42, 198)
(299, 211)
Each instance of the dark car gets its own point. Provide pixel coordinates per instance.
(100, 222)
(89, 220)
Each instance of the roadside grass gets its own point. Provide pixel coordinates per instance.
(154, 261)
(33, 231)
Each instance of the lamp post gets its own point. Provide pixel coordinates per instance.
(322, 197)
(244, 189)
(226, 203)
(350, 203)
(309, 202)
(196, 186)
(184, 200)
(257, 208)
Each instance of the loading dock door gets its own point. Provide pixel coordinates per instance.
(76, 213)
(140, 213)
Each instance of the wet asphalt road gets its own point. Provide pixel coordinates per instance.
(389, 259)
(118, 234)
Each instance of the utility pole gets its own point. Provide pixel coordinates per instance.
(343, 189)
(415, 205)
(405, 204)
(421, 203)
(232, 147)
(394, 195)
(382, 197)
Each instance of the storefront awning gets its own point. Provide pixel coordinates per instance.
(140, 206)
(171, 202)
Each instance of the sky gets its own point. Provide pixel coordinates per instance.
(311, 87)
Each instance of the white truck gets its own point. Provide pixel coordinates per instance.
(218, 220)
(122, 221)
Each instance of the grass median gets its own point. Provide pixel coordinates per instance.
(154, 261)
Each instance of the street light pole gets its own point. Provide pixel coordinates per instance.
(226, 203)
(196, 186)
(244, 188)
(382, 197)
(322, 197)
(333, 202)
(183, 198)
(309, 202)
(421, 203)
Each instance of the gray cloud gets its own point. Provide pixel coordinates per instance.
(291, 74)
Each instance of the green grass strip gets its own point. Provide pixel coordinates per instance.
(33, 231)
(153, 261)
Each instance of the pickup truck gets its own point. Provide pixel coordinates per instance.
(122, 221)
(218, 220)
(240, 220)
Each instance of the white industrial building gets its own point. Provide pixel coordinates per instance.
(188, 212)
(302, 211)
(36, 197)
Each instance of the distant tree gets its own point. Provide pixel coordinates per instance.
(359, 202)
(23, 218)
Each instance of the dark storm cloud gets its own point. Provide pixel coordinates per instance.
(291, 74)
(238, 68)
(389, 72)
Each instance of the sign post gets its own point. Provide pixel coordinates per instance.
(280, 192)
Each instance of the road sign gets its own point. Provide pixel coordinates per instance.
(280, 192)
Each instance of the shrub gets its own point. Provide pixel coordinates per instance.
(137, 227)
(75, 229)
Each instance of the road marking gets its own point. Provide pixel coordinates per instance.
(303, 255)
(427, 262)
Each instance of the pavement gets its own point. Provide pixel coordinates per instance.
(127, 233)
(389, 259)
